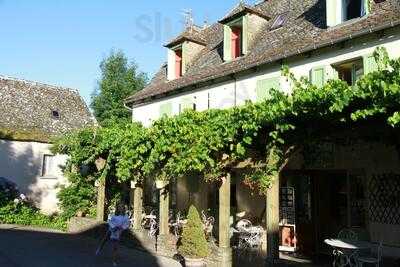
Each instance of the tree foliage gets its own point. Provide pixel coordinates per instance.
(119, 79)
(262, 135)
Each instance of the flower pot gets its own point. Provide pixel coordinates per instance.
(161, 184)
(191, 262)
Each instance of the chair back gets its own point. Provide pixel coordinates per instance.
(347, 234)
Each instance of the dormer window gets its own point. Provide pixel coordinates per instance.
(176, 67)
(242, 27)
(236, 42)
(354, 9)
(183, 50)
(339, 11)
(178, 63)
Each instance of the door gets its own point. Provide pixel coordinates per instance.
(330, 200)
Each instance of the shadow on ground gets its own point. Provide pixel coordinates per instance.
(22, 246)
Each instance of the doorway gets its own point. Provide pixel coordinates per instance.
(324, 206)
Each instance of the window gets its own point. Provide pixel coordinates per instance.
(279, 21)
(339, 11)
(187, 104)
(236, 42)
(55, 114)
(178, 63)
(166, 109)
(350, 71)
(49, 166)
(265, 85)
(370, 64)
(235, 38)
(317, 76)
(354, 9)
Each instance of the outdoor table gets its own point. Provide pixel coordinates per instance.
(347, 250)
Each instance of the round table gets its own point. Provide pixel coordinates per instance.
(345, 250)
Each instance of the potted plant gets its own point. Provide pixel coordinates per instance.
(194, 247)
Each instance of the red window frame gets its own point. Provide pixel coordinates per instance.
(236, 42)
(178, 63)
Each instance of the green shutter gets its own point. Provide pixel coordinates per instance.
(227, 43)
(245, 33)
(187, 104)
(331, 10)
(370, 64)
(367, 7)
(265, 85)
(318, 76)
(166, 109)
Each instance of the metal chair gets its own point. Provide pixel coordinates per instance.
(243, 225)
(347, 234)
(153, 228)
(372, 259)
(178, 225)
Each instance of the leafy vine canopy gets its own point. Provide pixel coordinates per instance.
(212, 142)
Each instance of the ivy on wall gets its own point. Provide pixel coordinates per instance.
(260, 136)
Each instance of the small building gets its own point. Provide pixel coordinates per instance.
(31, 114)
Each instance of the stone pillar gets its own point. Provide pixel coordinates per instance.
(225, 249)
(101, 200)
(163, 228)
(137, 208)
(272, 213)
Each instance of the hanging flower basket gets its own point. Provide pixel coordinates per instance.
(161, 184)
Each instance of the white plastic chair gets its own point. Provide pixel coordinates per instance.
(372, 259)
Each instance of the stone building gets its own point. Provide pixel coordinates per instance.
(31, 114)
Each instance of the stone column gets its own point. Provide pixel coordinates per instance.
(272, 213)
(224, 225)
(163, 227)
(137, 208)
(101, 200)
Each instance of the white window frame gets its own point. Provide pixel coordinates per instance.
(47, 171)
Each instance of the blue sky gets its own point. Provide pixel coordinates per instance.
(62, 42)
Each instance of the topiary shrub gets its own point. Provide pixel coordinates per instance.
(193, 243)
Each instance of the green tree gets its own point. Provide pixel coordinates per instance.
(119, 79)
(194, 243)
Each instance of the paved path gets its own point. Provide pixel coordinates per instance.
(23, 247)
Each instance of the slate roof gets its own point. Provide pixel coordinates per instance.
(27, 107)
(304, 30)
(242, 9)
(191, 34)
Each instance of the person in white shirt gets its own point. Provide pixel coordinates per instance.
(118, 223)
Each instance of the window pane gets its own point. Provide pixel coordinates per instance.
(49, 167)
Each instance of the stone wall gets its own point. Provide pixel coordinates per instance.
(255, 25)
(191, 50)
